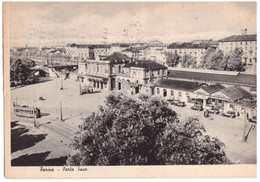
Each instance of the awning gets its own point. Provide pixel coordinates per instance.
(97, 78)
(218, 98)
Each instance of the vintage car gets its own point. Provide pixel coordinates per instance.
(252, 120)
(197, 106)
(178, 103)
(230, 114)
(86, 89)
(213, 110)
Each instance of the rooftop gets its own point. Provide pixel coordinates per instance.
(134, 49)
(212, 88)
(148, 65)
(239, 38)
(117, 58)
(238, 79)
(177, 84)
(235, 92)
(120, 45)
(187, 45)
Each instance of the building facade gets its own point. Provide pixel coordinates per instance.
(247, 43)
(138, 76)
(195, 50)
(79, 51)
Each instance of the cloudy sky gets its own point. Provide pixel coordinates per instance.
(61, 23)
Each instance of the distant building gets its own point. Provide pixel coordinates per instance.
(118, 47)
(137, 52)
(79, 51)
(156, 52)
(101, 50)
(247, 43)
(195, 50)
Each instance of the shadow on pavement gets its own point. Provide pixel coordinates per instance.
(38, 159)
(20, 140)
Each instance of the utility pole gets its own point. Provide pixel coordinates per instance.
(61, 118)
(34, 117)
(245, 118)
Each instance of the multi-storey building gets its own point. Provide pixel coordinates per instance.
(119, 72)
(101, 50)
(136, 52)
(118, 47)
(101, 72)
(79, 51)
(156, 53)
(138, 76)
(195, 50)
(248, 45)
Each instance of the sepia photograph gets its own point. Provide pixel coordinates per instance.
(99, 86)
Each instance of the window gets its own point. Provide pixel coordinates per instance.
(179, 93)
(241, 43)
(246, 43)
(158, 91)
(246, 48)
(119, 69)
(172, 93)
(250, 60)
(97, 68)
(159, 72)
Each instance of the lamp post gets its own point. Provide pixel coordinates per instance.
(61, 82)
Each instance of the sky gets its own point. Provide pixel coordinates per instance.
(49, 23)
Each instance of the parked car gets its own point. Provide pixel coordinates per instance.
(86, 89)
(230, 114)
(213, 110)
(197, 106)
(178, 103)
(252, 120)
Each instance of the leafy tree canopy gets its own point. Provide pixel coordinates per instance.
(172, 59)
(144, 131)
(188, 61)
(19, 71)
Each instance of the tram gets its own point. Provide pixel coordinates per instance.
(26, 111)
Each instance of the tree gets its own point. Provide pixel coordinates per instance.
(172, 59)
(234, 62)
(188, 61)
(142, 131)
(19, 72)
(207, 57)
(212, 59)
